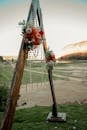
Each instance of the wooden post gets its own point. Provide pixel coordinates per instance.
(14, 92)
(54, 107)
(54, 116)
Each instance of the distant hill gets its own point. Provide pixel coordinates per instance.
(77, 51)
(76, 56)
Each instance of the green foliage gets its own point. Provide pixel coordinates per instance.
(1, 58)
(3, 97)
(35, 118)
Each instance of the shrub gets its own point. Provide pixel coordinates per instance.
(1, 58)
(3, 96)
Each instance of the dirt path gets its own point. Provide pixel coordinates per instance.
(67, 91)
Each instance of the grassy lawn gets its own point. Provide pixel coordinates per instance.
(35, 118)
(6, 73)
(35, 72)
(36, 77)
(33, 77)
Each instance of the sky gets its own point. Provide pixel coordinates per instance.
(65, 22)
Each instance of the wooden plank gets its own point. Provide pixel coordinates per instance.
(61, 117)
(14, 92)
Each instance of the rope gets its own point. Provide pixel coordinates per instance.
(30, 72)
(36, 52)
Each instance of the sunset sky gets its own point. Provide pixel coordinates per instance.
(65, 22)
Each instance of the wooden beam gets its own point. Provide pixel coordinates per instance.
(14, 91)
(54, 107)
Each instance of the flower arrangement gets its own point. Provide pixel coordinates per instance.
(32, 35)
(50, 56)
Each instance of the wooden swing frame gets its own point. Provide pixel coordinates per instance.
(18, 73)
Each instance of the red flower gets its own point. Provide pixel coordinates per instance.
(41, 33)
(34, 35)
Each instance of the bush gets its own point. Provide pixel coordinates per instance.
(1, 58)
(3, 96)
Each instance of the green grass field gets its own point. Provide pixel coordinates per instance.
(35, 118)
(6, 72)
(36, 72)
